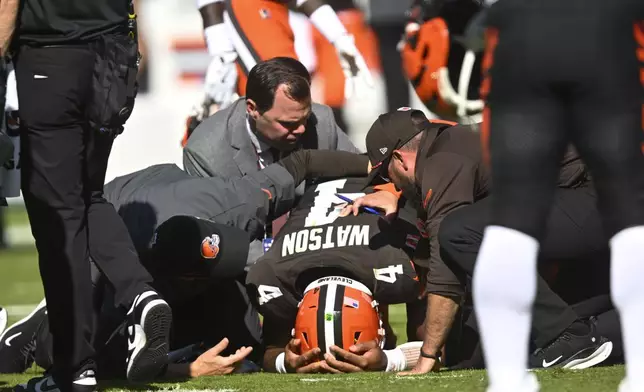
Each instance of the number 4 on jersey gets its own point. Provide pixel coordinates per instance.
(388, 274)
(267, 293)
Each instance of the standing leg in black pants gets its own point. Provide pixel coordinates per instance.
(62, 174)
(396, 85)
(53, 88)
(110, 245)
(573, 232)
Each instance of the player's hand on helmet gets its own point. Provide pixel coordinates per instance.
(211, 363)
(354, 67)
(298, 362)
(423, 366)
(221, 78)
(383, 200)
(367, 356)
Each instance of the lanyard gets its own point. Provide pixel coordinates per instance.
(261, 164)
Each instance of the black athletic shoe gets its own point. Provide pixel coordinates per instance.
(18, 342)
(148, 329)
(570, 351)
(86, 382)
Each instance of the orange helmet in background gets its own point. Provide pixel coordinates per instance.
(337, 311)
(444, 70)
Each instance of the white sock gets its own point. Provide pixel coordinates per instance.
(627, 289)
(504, 286)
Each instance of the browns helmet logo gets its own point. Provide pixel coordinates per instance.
(210, 247)
(437, 59)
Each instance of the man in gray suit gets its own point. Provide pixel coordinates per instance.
(275, 118)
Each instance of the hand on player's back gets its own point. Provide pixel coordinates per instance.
(361, 357)
(386, 201)
(211, 363)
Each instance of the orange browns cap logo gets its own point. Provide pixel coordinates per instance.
(210, 247)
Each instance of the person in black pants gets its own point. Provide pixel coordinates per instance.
(560, 72)
(598, 310)
(574, 233)
(75, 62)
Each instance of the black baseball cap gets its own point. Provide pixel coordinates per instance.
(389, 132)
(201, 247)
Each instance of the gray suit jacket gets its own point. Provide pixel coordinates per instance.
(221, 145)
(147, 198)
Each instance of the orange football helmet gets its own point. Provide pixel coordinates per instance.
(437, 55)
(337, 311)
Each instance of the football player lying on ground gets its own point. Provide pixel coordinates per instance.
(440, 167)
(192, 234)
(315, 243)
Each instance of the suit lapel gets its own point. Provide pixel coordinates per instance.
(245, 157)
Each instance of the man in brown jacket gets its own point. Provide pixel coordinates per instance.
(438, 166)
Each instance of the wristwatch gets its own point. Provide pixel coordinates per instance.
(436, 356)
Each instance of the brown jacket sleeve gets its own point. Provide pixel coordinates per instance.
(448, 183)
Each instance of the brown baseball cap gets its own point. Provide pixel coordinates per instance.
(388, 133)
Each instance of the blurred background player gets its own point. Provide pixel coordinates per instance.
(246, 32)
(440, 61)
(591, 96)
(328, 71)
(388, 20)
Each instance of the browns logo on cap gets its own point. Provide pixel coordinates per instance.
(210, 247)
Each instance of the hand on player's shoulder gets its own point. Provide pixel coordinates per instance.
(383, 200)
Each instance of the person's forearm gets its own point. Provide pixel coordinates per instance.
(308, 7)
(212, 14)
(441, 312)
(324, 18)
(8, 12)
(140, 34)
(214, 29)
(305, 164)
(270, 355)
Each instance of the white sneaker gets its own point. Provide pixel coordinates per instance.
(18, 342)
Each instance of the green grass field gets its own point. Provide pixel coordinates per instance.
(20, 286)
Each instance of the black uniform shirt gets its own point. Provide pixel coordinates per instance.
(49, 22)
